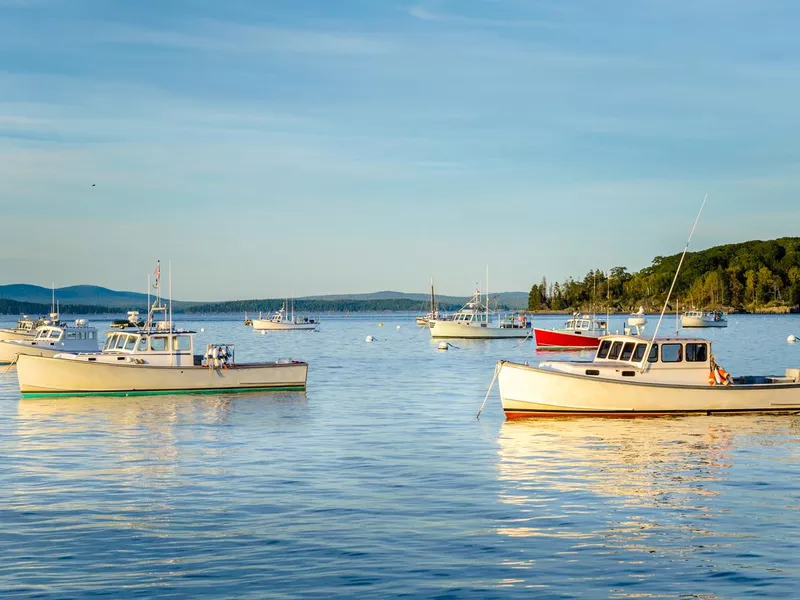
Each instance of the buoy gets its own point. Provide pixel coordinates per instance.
(380, 324)
(202, 330)
(398, 326)
(370, 339)
(263, 333)
(443, 345)
(791, 339)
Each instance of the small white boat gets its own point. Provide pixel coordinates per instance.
(476, 321)
(678, 377)
(703, 318)
(283, 321)
(51, 340)
(433, 314)
(25, 330)
(637, 319)
(156, 359)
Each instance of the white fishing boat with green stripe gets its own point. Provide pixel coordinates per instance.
(156, 359)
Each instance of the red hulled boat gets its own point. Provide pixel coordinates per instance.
(580, 332)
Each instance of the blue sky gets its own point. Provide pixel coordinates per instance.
(271, 148)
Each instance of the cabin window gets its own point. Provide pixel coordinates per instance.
(696, 352)
(602, 351)
(638, 354)
(90, 335)
(671, 353)
(627, 351)
(109, 342)
(158, 343)
(615, 350)
(131, 343)
(72, 335)
(54, 334)
(653, 354)
(142, 346)
(181, 342)
(121, 339)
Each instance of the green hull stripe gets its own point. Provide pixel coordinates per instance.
(284, 388)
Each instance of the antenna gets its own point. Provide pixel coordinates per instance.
(671, 287)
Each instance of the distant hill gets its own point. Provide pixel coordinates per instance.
(513, 300)
(89, 295)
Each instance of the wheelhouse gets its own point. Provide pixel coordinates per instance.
(584, 323)
(467, 317)
(672, 352)
(146, 342)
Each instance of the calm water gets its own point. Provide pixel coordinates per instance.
(378, 482)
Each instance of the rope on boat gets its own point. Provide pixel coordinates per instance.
(526, 338)
(491, 387)
(8, 368)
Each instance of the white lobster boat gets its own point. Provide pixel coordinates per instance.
(283, 321)
(476, 321)
(25, 330)
(703, 318)
(156, 359)
(679, 377)
(51, 340)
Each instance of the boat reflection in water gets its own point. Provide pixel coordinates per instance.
(145, 435)
(645, 507)
(642, 463)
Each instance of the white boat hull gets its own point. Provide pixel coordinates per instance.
(267, 325)
(13, 334)
(9, 351)
(700, 322)
(527, 391)
(47, 376)
(456, 330)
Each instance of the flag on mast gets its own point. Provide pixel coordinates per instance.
(157, 274)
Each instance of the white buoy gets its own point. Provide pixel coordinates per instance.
(791, 339)
(443, 345)
(380, 324)
(263, 333)
(202, 330)
(370, 339)
(398, 326)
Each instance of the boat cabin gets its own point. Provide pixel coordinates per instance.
(50, 335)
(669, 351)
(581, 323)
(25, 324)
(167, 347)
(670, 360)
(468, 317)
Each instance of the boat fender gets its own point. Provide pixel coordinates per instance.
(724, 376)
(718, 376)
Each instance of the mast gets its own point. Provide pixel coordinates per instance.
(433, 300)
(671, 287)
(172, 337)
(487, 295)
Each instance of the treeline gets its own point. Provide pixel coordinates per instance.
(15, 307)
(751, 276)
(317, 306)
